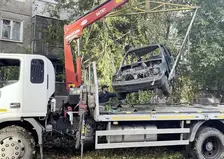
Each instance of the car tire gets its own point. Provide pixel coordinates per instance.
(18, 139)
(166, 89)
(121, 96)
(209, 144)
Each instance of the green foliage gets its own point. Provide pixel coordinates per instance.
(140, 97)
(9, 73)
(205, 59)
(104, 42)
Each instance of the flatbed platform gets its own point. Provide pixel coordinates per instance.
(162, 112)
(136, 109)
(148, 125)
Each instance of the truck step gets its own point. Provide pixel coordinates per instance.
(141, 144)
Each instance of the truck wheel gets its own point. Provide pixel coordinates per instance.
(209, 144)
(166, 87)
(16, 142)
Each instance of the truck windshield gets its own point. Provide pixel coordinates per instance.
(9, 71)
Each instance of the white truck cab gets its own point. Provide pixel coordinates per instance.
(26, 84)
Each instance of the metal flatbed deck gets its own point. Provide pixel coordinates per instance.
(181, 121)
(152, 113)
(163, 109)
(162, 112)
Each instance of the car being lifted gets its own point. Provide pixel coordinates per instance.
(144, 68)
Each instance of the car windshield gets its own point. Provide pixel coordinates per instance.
(9, 71)
(142, 54)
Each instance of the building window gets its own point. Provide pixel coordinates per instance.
(37, 71)
(11, 30)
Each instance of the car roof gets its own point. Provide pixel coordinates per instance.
(144, 49)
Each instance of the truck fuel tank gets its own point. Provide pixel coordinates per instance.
(132, 138)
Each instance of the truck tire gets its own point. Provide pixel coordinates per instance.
(209, 144)
(166, 89)
(16, 142)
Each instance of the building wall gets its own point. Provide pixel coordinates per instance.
(17, 10)
(34, 18)
(40, 7)
(53, 46)
(44, 38)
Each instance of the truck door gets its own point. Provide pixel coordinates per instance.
(35, 87)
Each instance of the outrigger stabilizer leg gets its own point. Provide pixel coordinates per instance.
(82, 133)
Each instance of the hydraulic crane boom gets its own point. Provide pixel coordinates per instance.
(74, 31)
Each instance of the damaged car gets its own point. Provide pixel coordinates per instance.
(144, 68)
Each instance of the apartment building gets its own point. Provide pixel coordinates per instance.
(46, 39)
(24, 28)
(15, 26)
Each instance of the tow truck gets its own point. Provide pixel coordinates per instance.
(29, 118)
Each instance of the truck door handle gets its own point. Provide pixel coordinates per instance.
(14, 105)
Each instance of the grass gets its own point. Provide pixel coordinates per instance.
(131, 153)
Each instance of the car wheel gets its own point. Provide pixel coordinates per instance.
(209, 144)
(121, 96)
(166, 87)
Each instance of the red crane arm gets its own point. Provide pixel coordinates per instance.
(74, 31)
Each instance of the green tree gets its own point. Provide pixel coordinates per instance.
(205, 60)
(104, 40)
